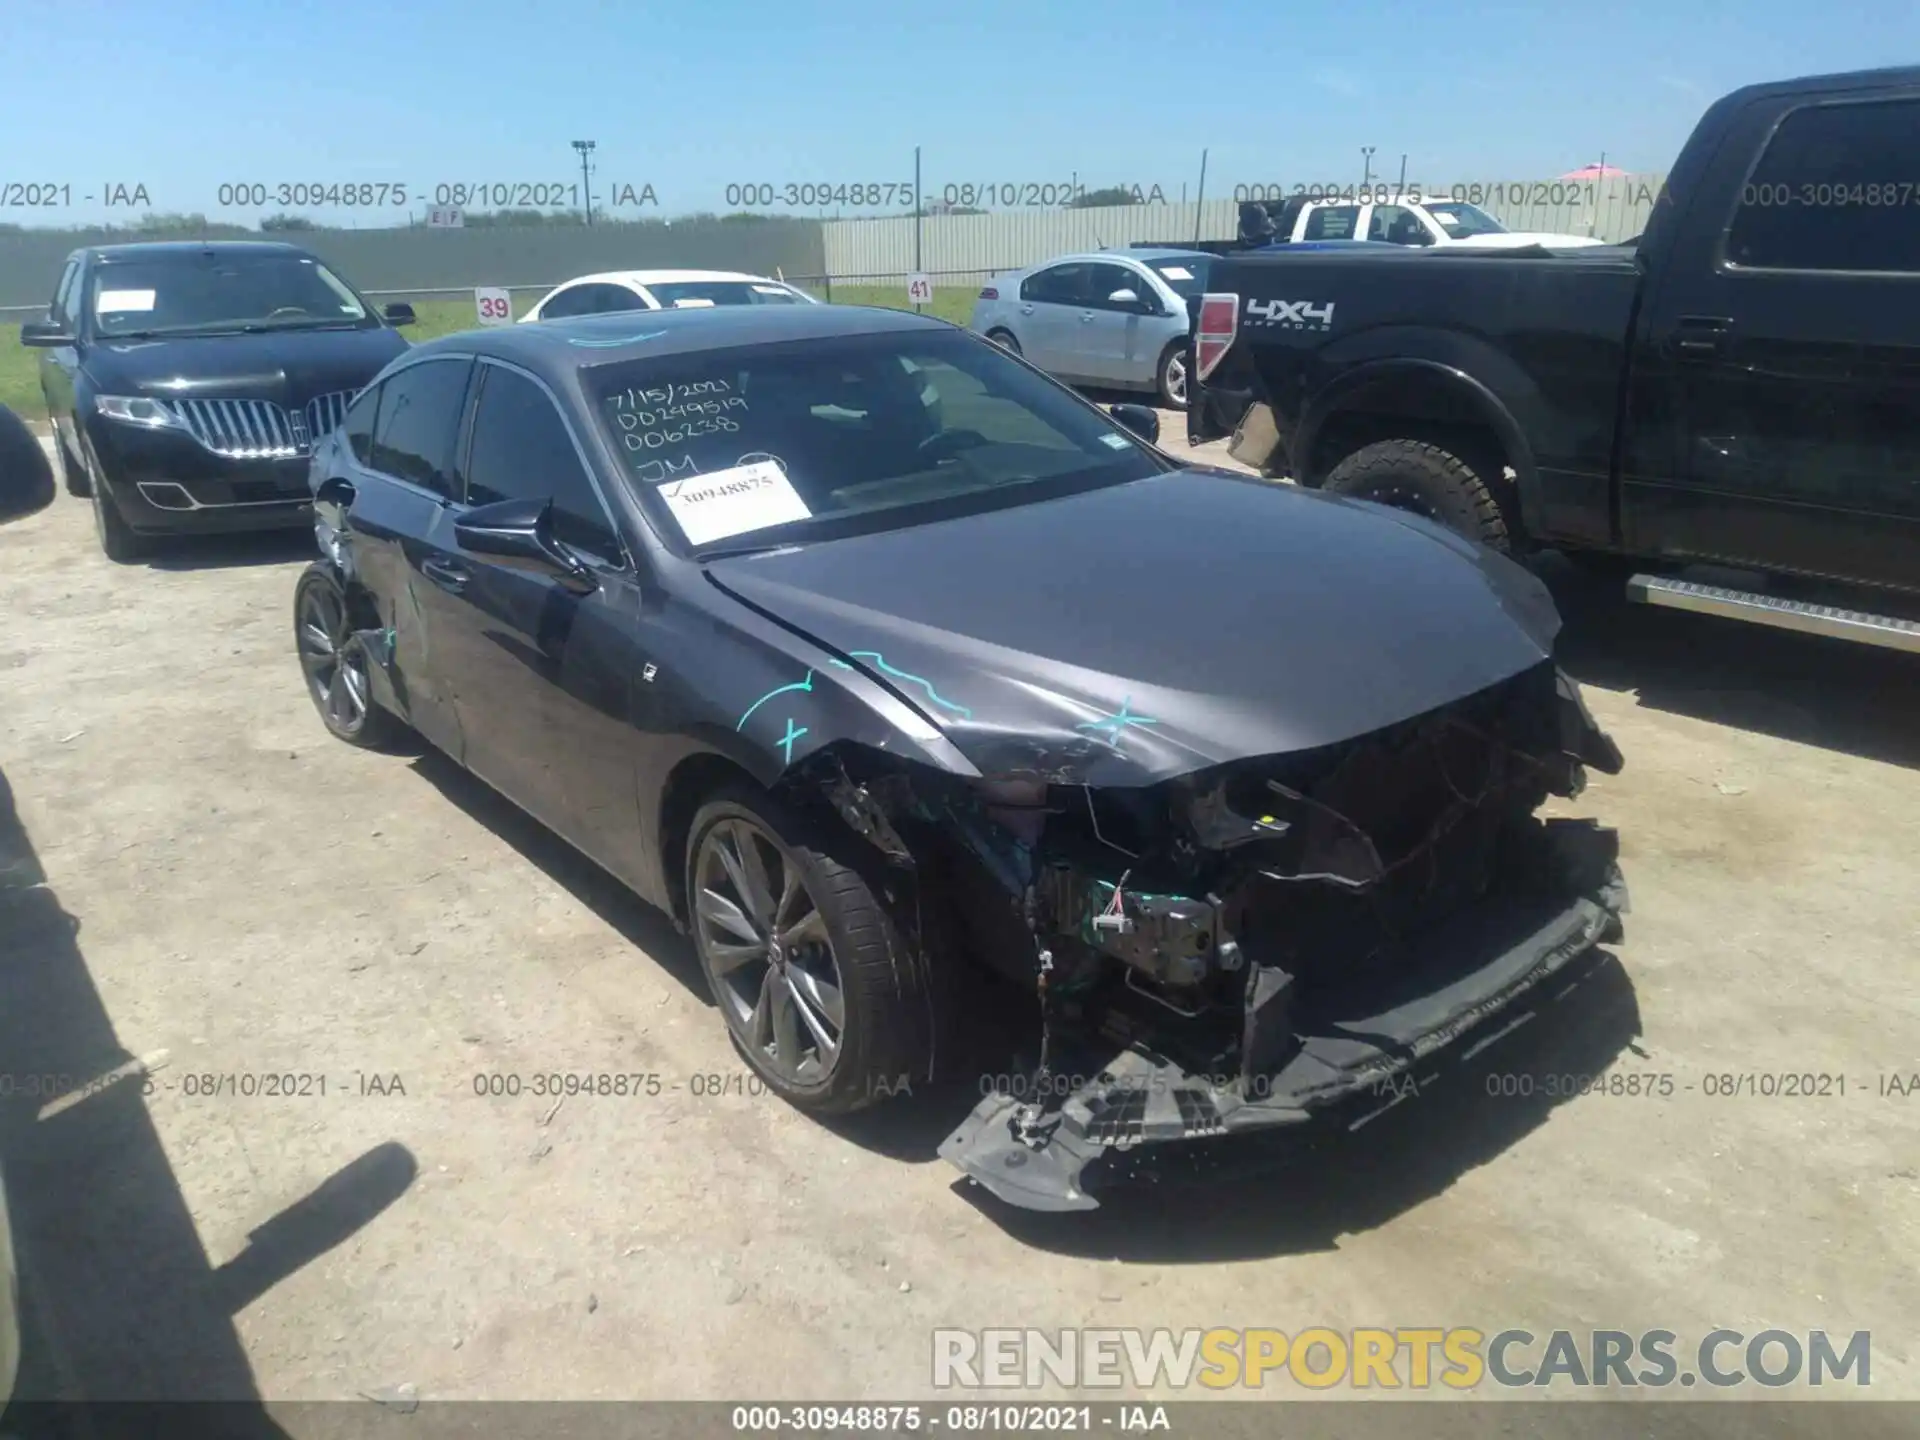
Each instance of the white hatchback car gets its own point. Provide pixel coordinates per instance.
(615, 290)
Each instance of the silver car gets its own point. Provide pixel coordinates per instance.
(1114, 318)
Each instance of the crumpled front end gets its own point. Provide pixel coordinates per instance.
(1256, 943)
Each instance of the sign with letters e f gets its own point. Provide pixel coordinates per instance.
(493, 304)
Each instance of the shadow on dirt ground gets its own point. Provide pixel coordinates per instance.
(233, 552)
(119, 1300)
(1833, 694)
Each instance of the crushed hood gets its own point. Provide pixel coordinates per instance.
(1126, 635)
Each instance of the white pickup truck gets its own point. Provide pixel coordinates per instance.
(1416, 222)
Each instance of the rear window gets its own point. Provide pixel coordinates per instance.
(1331, 222)
(698, 294)
(816, 437)
(1186, 275)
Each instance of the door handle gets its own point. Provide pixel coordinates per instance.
(1700, 337)
(445, 574)
(1085, 316)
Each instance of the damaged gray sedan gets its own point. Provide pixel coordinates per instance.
(870, 654)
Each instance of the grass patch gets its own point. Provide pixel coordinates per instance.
(20, 374)
(954, 302)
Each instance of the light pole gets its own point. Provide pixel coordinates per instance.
(1366, 154)
(585, 147)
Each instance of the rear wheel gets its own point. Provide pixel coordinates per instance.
(822, 994)
(1004, 339)
(336, 663)
(1427, 480)
(1171, 378)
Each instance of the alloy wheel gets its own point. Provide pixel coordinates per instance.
(1177, 379)
(768, 950)
(334, 663)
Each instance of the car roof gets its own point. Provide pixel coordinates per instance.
(161, 249)
(1111, 255)
(664, 277)
(555, 348)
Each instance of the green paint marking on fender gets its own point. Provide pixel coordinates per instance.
(806, 684)
(880, 661)
(785, 742)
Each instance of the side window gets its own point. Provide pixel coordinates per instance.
(358, 424)
(1105, 279)
(63, 308)
(1834, 191)
(567, 302)
(522, 451)
(1057, 285)
(1331, 222)
(610, 298)
(1397, 225)
(419, 415)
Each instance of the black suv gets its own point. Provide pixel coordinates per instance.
(187, 382)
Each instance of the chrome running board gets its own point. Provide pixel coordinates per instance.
(1809, 619)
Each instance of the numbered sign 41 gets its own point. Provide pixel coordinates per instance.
(494, 305)
(919, 289)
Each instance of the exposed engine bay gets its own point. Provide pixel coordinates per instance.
(1257, 942)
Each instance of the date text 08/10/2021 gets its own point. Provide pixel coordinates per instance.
(558, 194)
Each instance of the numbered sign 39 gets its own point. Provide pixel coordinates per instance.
(494, 304)
(919, 289)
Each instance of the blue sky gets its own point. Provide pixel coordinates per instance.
(183, 95)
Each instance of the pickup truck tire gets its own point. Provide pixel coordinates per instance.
(1424, 478)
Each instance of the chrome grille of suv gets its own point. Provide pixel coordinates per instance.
(261, 429)
(325, 412)
(243, 429)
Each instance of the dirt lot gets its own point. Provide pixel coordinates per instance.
(228, 893)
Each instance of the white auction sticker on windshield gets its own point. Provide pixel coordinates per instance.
(117, 301)
(692, 304)
(1177, 272)
(732, 502)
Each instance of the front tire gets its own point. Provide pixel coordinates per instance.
(73, 475)
(336, 664)
(821, 992)
(1171, 378)
(119, 541)
(1427, 480)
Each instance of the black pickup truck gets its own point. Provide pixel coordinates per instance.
(1738, 387)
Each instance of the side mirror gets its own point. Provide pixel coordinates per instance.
(333, 500)
(1141, 420)
(401, 313)
(1129, 298)
(26, 479)
(518, 534)
(44, 335)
